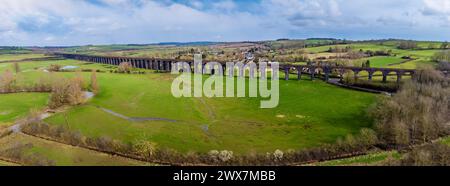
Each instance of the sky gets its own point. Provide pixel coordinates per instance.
(83, 22)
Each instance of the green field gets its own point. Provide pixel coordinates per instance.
(61, 154)
(372, 159)
(384, 62)
(420, 57)
(365, 160)
(15, 106)
(14, 57)
(205, 124)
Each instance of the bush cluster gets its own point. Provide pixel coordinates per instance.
(67, 92)
(418, 113)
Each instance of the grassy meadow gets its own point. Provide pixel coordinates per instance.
(16, 106)
(419, 56)
(204, 124)
(16, 57)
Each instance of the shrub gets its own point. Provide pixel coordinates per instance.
(220, 157)
(125, 67)
(144, 148)
(7, 81)
(225, 155)
(278, 155)
(368, 137)
(54, 68)
(16, 67)
(429, 155)
(338, 49)
(444, 66)
(149, 151)
(214, 155)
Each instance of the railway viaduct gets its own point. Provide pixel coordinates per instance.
(314, 71)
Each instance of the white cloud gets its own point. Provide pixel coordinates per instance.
(437, 6)
(115, 2)
(196, 4)
(439, 9)
(227, 5)
(73, 22)
(304, 12)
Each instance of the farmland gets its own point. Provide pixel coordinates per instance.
(206, 124)
(18, 57)
(135, 107)
(36, 149)
(16, 106)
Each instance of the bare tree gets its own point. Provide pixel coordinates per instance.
(54, 68)
(407, 45)
(7, 81)
(94, 84)
(16, 67)
(67, 92)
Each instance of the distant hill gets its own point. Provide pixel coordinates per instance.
(197, 43)
(326, 39)
(13, 50)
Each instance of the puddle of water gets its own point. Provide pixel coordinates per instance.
(45, 116)
(70, 67)
(88, 95)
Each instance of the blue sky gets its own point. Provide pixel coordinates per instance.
(81, 22)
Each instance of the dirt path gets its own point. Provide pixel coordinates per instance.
(134, 119)
(17, 127)
(208, 108)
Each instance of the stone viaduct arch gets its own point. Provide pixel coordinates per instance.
(313, 70)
